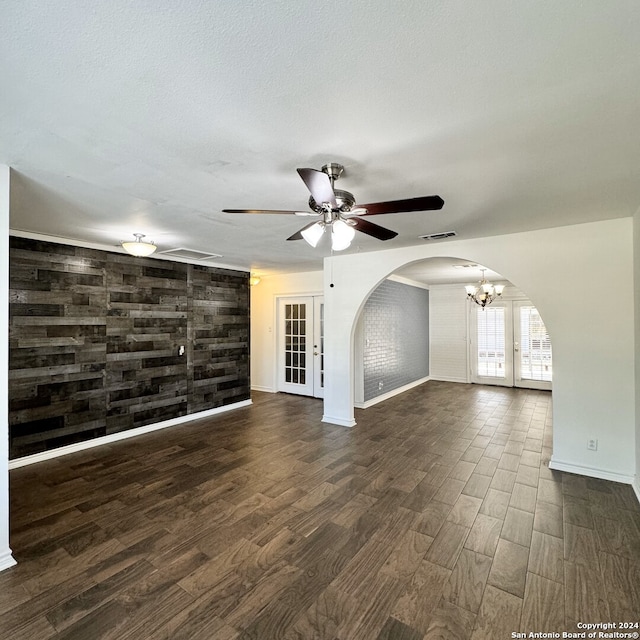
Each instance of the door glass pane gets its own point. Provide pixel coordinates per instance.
(535, 346)
(295, 343)
(491, 342)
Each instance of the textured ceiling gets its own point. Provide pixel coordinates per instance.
(433, 271)
(120, 117)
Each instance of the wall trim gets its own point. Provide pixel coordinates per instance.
(6, 560)
(636, 486)
(264, 389)
(603, 474)
(103, 246)
(122, 435)
(449, 379)
(391, 394)
(338, 421)
(412, 283)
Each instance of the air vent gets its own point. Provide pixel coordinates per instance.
(469, 265)
(190, 254)
(439, 236)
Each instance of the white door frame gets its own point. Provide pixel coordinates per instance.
(507, 380)
(517, 348)
(512, 346)
(318, 346)
(304, 356)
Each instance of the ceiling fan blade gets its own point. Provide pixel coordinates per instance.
(371, 229)
(298, 234)
(259, 211)
(319, 184)
(424, 203)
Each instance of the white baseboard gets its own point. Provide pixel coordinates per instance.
(122, 435)
(6, 560)
(591, 472)
(339, 421)
(450, 379)
(264, 389)
(636, 486)
(390, 394)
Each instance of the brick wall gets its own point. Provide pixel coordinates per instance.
(396, 337)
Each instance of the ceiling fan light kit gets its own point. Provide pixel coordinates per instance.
(313, 233)
(138, 247)
(341, 235)
(485, 293)
(338, 211)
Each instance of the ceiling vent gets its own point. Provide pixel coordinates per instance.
(439, 236)
(469, 265)
(190, 254)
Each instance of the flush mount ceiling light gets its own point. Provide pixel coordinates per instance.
(254, 280)
(139, 248)
(485, 293)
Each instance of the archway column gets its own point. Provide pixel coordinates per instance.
(581, 280)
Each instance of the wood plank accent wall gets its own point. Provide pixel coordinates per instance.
(146, 379)
(94, 342)
(218, 338)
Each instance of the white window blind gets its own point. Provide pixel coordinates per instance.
(491, 342)
(535, 347)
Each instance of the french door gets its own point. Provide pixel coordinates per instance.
(510, 346)
(300, 341)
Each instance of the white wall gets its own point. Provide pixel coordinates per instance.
(263, 321)
(636, 282)
(448, 333)
(581, 280)
(6, 560)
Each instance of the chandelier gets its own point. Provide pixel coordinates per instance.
(485, 293)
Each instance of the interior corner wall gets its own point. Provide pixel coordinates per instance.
(6, 559)
(558, 270)
(103, 342)
(264, 296)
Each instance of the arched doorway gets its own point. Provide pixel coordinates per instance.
(418, 325)
(558, 285)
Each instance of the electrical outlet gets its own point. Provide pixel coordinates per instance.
(380, 385)
(592, 444)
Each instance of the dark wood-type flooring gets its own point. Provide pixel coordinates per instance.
(435, 517)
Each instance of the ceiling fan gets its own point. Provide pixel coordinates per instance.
(337, 209)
